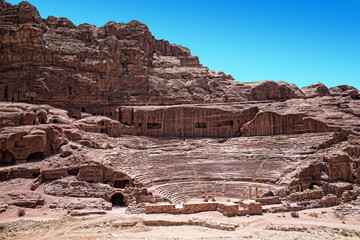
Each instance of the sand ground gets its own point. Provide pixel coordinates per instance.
(342, 222)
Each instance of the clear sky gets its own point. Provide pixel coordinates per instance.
(297, 41)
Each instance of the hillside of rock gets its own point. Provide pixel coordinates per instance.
(112, 116)
(52, 60)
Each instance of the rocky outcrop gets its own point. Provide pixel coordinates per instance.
(316, 90)
(333, 172)
(270, 123)
(29, 143)
(117, 63)
(338, 167)
(18, 114)
(25, 199)
(270, 90)
(3, 4)
(345, 90)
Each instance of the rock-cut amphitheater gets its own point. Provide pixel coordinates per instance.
(114, 117)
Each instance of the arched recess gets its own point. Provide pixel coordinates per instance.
(118, 199)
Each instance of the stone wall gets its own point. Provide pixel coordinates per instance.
(227, 208)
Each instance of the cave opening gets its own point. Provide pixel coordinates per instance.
(36, 174)
(313, 185)
(73, 171)
(118, 200)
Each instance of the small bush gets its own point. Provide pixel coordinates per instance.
(315, 215)
(2, 226)
(295, 214)
(287, 191)
(95, 146)
(339, 215)
(21, 212)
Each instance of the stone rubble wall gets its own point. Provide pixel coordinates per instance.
(227, 208)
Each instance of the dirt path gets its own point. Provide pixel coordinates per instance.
(116, 224)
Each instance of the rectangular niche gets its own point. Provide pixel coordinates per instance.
(227, 123)
(200, 125)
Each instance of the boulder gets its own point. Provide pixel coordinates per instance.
(316, 90)
(65, 151)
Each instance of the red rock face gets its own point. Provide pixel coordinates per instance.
(52, 60)
(134, 119)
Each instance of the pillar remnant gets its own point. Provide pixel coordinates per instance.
(205, 194)
(213, 193)
(249, 191)
(257, 191)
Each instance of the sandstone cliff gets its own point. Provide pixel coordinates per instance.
(79, 104)
(52, 60)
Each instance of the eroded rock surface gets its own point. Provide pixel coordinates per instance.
(113, 116)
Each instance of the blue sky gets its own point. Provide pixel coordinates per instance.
(297, 41)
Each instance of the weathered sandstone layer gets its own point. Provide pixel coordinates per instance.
(111, 114)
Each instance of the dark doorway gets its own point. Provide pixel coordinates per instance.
(37, 156)
(117, 200)
(121, 184)
(200, 125)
